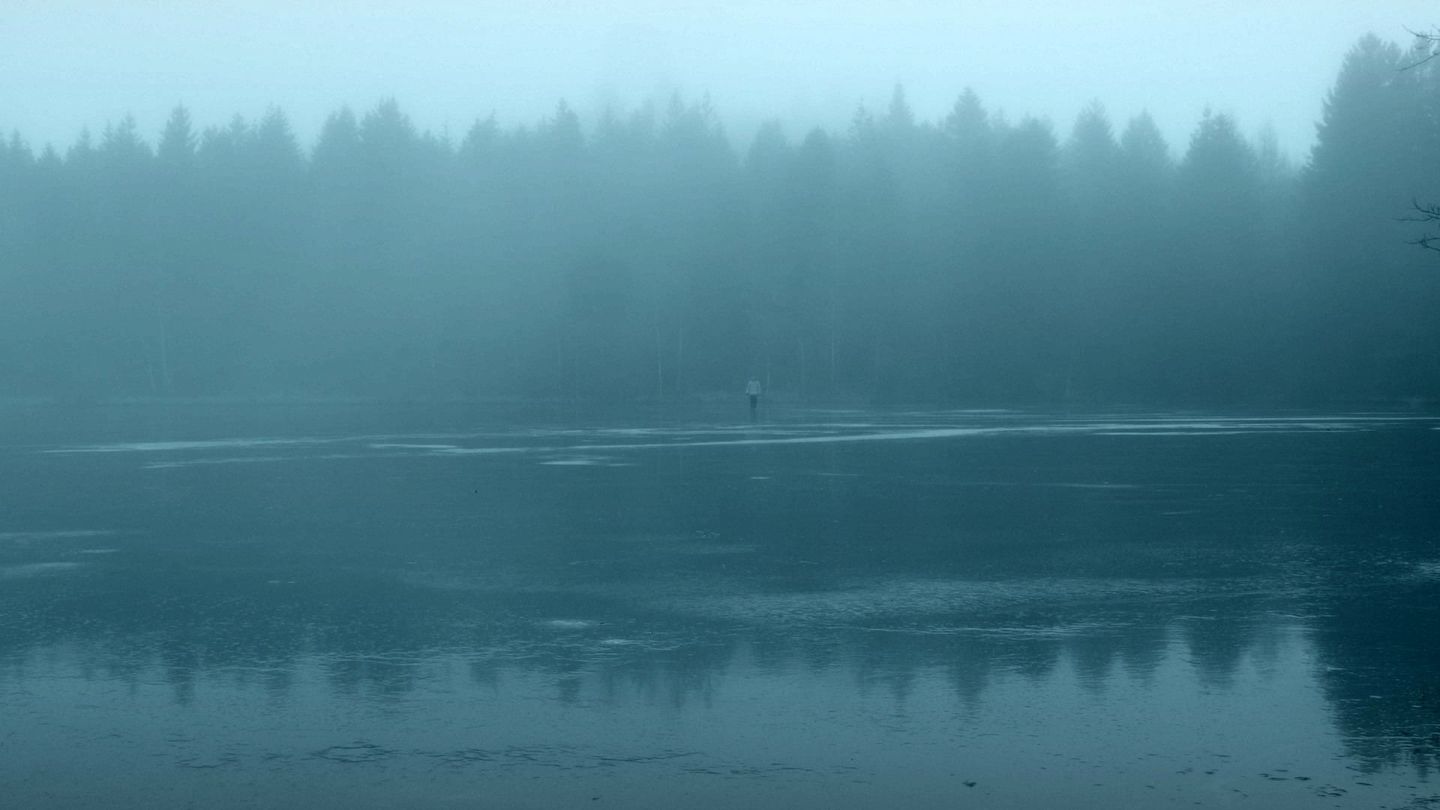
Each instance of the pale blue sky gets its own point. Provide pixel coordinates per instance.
(68, 64)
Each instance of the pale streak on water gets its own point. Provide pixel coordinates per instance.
(829, 609)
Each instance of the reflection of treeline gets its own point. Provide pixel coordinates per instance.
(378, 637)
(1379, 665)
(969, 258)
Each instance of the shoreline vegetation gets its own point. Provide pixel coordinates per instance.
(715, 402)
(973, 260)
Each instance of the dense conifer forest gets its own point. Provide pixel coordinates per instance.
(971, 260)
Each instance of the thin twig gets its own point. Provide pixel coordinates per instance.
(1432, 40)
(1428, 213)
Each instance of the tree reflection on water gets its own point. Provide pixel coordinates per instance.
(1015, 559)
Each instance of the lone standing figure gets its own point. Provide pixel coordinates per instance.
(752, 390)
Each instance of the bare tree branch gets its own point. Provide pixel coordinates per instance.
(1424, 212)
(1431, 41)
(1429, 214)
(1427, 42)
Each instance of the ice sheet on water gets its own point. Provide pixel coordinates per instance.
(585, 461)
(863, 601)
(1178, 432)
(481, 451)
(568, 624)
(580, 446)
(29, 570)
(200, 462)
(171, 447)
(1428, 570)
(411, 446)
(66, 534)
(1161, 426)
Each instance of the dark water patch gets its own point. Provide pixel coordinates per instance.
(358, 752)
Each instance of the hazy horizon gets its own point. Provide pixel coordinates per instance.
(78, 65)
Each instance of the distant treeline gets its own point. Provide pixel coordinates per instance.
(971, 260)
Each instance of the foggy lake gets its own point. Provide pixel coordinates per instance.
(449, 606)
(653, 404)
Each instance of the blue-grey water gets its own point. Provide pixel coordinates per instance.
(326, 606)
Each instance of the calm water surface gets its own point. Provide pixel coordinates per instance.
(363, 607)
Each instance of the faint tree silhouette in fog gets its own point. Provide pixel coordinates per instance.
(972, 259)
(1371, 306)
